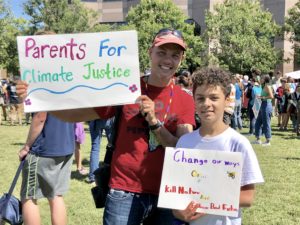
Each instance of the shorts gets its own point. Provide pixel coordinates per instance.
(79, 133)
(45, 177)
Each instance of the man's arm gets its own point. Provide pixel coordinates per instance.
(36, 127)
(169, 140)
(76, 115)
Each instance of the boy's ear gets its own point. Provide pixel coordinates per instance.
(227, 101)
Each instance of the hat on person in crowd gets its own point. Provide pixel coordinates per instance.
(166, 36)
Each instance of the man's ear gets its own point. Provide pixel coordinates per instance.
(183, 56)
(150, 51)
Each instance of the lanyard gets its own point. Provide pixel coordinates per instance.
(170, 100)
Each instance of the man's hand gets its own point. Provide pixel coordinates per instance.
(147, 109)
(21, 89)
(23, 152)
(189, 214)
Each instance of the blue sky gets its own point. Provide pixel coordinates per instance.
(16, 7)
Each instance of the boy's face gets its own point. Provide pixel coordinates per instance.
(165, 60)
(210, 103)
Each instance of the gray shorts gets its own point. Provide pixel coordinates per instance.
(45, 177)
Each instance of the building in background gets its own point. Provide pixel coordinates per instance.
(115, 11)
(3, 73)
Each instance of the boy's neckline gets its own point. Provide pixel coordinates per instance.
(212, 131)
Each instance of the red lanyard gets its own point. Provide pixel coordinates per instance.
(170, 101)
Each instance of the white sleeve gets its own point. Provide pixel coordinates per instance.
(251, 173)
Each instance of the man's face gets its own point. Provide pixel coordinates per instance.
(210, 103)
(165, 60)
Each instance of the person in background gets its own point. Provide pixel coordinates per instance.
(16, 109)
(97, 127)
(79, 140)
(2, 103)
(265, 113)
(285, 105)
(238, 103)
(47, 169)
(296, 100)
(161, 115)
(211, 92)
(255, 93)
(279, 101)
(229, 109)
(184, 80)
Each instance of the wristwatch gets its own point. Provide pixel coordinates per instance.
(156, 126)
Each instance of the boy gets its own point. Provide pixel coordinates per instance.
(211, 92)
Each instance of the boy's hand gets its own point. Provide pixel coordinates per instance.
(21, 89)
(188, 214)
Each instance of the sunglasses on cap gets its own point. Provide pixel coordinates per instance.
(167, 31)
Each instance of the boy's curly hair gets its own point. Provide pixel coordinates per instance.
(212, 76)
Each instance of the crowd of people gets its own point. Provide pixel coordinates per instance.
(12, 109)
(203, 110)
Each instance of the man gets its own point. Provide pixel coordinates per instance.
(162, 114)
(47, 170)
(184, 80)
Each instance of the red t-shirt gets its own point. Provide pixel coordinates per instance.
(134, 168)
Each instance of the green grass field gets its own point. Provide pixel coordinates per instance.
(277, 200)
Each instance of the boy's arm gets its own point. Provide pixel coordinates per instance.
(36, 127)
(247, 195)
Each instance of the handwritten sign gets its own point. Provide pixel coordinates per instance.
(79, 70)
(211, 178)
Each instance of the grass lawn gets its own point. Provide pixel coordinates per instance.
(277, 200)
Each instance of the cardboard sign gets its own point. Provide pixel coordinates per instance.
(256, 107)
(211, 178)
(79, 70)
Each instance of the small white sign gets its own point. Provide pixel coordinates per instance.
(210, 178)
(68, 71)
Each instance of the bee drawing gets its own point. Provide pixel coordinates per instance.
(231, 174)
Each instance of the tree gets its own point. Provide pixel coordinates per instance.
(9, 29)
(152, 15)
(293, 27)
(241, 36)
(60, 16)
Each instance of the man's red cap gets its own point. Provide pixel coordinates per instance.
(168, 38)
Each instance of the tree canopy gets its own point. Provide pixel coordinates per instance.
(293, 26)
(150, 16)
(60, 16)
(241, 36)
(10, 27)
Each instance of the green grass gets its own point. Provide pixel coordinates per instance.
(276, 203)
